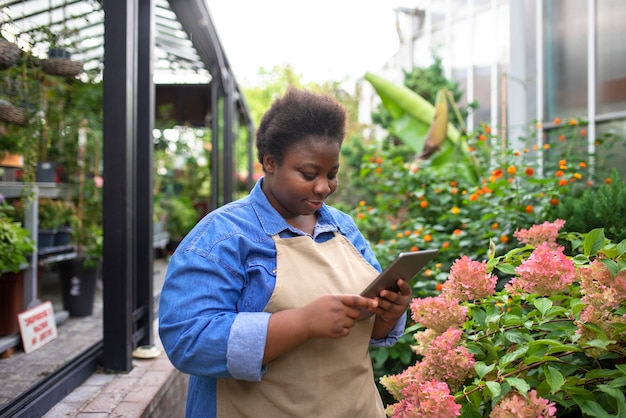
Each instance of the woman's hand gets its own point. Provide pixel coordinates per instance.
(332, 316)
(391, 306)
(329, 316)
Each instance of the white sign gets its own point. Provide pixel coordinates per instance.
(37, 326)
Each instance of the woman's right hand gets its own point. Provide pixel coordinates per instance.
(329, 316)
(332, 316)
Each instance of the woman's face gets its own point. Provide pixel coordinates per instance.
(306, 177)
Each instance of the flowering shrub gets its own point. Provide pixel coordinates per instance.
(551, 340)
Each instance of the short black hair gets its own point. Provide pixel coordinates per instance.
(299, 115)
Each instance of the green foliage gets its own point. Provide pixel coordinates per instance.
(567, 345)
(595, 207)
(16, 244)
(180, 216)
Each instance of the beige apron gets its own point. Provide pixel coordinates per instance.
(323, 377)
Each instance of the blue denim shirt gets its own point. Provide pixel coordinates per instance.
(219, 280)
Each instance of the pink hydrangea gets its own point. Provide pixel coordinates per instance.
(446, 360)
(469, 280)
(536, 235)
(438, 313)
(514, 405)
(430, 399)
(546, 272)
(599, 288)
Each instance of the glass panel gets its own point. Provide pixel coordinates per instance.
(611, 56)
(610, 148)
(565, 58)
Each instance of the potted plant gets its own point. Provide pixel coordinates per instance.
(16, 246)
(79, 275)
(49, 221)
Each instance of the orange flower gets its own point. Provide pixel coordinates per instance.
(558, 174)
(535, 147)
(361, 216)
(517, 153)
(457, 232)
(563, 162)
(470, 149)
(407, 233)
(573, 122)
(510, 180)
(504, 239)
(454, 190)
(482, 137)
(526, 150)
(445, 245)
(546, 146)
(497, 173)
(423, 204)
(379, 160)
(428, 273)
(438, 287)
(589, 183)
(554, 201)
(539, 125)
(453, 183)
(582, 164)
(529, 209)
(428, 238)
(399, 235)
(494, 225)
(557, 121)
(362, 203)
(562, 182)
(455, 210)
(488, 129)
(583, 132)
(414, 248)
(379, 170)
(473, 197)
(607, 180)
(511, 170)
(529, 171)
(561, 137)
(578, 176)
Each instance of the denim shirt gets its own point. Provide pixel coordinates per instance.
(219, 280)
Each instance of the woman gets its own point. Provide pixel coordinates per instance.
(261, 302)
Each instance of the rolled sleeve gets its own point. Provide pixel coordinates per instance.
(392, 337)
(246, 346)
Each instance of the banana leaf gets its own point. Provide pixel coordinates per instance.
(412, 118)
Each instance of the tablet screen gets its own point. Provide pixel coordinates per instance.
(405, 266)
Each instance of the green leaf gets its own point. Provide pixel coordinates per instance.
(482, 369)
(594, 409)
(554, 378)
(506, 268)
(520, 384)
(509, 357)
(594, 240)
(494, 388)
(543, 304)
(621, 247)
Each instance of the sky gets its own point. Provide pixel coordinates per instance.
(323, 40)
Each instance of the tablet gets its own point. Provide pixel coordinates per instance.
(405, 266)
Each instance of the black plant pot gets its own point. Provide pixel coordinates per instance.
(78, 286)
(59, 53)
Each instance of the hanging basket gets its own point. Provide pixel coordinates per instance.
(11, 113)
(9, 53)
(62, 66)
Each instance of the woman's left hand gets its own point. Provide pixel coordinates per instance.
(392, 305)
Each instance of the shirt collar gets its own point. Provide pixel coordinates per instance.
(273, 223)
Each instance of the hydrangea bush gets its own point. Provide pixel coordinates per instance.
(530, 333)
